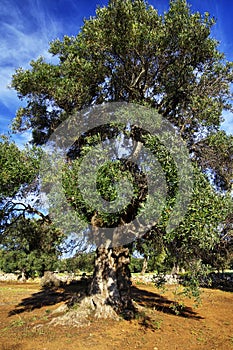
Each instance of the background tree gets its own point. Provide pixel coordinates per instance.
(19, 169)
(81, 262)
(26, 244)
(128, 52)
(151, 247)
(30, 246)
(221, 255)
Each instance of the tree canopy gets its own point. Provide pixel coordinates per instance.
(128, 52)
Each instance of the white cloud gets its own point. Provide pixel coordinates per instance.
(23, 139)
(8, 97)
(24, 36)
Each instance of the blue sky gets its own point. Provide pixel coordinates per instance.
(27, 27)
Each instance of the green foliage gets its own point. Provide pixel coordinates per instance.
(17, 167)
(81, 262)
(206, 211)
(31, 246)
(136, 264)
(156, 262)
(214, 154)
(18, 178)
(109, 184)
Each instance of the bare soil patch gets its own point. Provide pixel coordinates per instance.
(26, 311)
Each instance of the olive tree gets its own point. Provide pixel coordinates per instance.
(128, 53)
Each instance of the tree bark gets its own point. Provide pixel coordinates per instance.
(23, 276)
(144, 265)
(111, 280)
(175, 269)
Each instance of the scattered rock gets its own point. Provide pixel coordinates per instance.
(49, 280)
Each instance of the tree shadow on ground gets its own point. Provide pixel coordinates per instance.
(223, 287)
(158, 302)
(221, 281)
(78, 290)
(51, 296)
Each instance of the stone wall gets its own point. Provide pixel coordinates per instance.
(7, 277)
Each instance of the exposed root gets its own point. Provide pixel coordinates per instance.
(80, 314)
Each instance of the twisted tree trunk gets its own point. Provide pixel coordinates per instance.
(144, 265)
(111, 282)
(109, 292)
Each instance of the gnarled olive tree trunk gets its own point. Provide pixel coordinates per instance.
(111, 280)
(109, 292)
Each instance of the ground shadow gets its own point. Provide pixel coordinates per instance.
(51, 296)
(223, 287)
(222, 281)
(77, 290)
(158, 302)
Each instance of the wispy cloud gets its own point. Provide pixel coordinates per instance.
(221, 29)
(23, 139)
(4, 121)
(26, 28)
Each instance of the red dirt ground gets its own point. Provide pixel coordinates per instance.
(26, 309)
